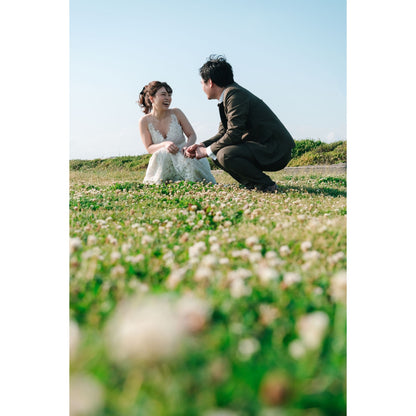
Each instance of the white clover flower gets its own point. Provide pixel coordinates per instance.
(238, 289)
(238, 274)
(118, 271)
(257, 247)
(291, 278)
(266, 274)
(224, 260)
(91, 240)
(193, 312)
(203, 273)
(74, 244)
(284, 251)
(111, 240)
(305, 246)
(169, 258)
(268, 313)
(212, 239)
(220, 412)
(318, 291)
(209, 260)
(255, 257)
(138, 286)
(215, 248)
(336, 258)
(248, 346)
(74, 338)
(322, 229)
(311, 255)
(270, 255)
(175, 277)
(197, 249)
(338, 287)
(218, 217)
(86, 395)
(312, 328)
(138, 228)
(125, 247)
(135, 259)
(297, 349)
(252, 240)
(144, 330)
(147, 239)
(93, 253)
(115, 255)
(244, 253)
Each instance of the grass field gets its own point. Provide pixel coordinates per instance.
(193, 299)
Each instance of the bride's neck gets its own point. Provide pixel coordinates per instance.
(159, 114)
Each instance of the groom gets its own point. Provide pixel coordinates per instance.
(250, 139)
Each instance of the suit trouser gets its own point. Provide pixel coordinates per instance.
(239, 162)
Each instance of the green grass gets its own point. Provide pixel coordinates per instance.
(188, 299)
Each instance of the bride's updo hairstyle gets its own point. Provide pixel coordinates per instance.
(150, 90)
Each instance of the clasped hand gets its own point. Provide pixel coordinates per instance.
(171, 147)
(197, 151)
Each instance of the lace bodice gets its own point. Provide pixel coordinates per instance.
(175, 133)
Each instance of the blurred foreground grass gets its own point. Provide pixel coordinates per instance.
(193, 299)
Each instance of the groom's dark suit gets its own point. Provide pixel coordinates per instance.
(251, 139)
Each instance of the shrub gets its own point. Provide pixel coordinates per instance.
(323, 154)
(303, 146)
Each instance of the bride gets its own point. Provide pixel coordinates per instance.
(162, 132)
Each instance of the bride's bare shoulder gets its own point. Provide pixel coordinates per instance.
(178, 113)
(144, 121)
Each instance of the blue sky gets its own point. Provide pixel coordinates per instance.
(292, 54)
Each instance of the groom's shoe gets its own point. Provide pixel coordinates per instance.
(271, 189)
(250, 186)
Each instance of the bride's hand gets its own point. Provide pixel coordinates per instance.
(171, 147)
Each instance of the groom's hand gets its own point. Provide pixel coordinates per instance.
(201, 152)
(191, 151)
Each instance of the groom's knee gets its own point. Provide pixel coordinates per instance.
(224, 157)
(220, 157)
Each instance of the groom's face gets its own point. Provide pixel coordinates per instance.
(208, 90)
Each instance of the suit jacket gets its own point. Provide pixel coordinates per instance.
(247, 119)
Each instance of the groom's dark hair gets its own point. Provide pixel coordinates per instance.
(218, 70)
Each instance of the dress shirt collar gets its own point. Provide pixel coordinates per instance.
(221, 99)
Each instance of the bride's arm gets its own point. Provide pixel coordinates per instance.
(148, 142)
(186, 126)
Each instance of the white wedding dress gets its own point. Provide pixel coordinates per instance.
(164, 166)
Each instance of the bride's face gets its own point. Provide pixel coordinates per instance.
(162, 99)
